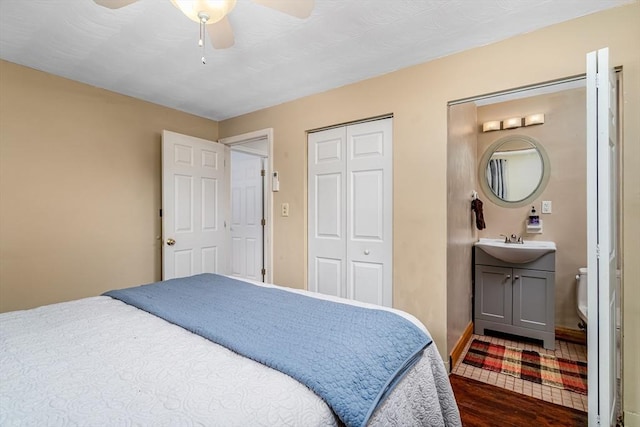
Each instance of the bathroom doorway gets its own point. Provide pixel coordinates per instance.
(563, 136)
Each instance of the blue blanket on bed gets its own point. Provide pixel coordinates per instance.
(350, 356)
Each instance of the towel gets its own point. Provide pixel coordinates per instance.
(476, 206)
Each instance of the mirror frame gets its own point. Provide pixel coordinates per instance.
(544, 180)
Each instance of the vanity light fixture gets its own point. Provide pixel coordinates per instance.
(534, 119)
(491, 126)
(512, 123)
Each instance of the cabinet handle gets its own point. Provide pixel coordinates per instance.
(508, 276)
(516, 277)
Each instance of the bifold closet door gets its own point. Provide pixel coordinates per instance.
(350, 212)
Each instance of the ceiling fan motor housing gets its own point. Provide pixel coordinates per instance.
(210, 10)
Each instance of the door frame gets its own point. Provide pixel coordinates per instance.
(268, 193)
(559, 85)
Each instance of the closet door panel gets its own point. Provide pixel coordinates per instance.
(367, 199)
(326, 210)
(369, 212)
(329, 276)
(367, 281)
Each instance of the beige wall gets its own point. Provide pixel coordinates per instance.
(418, 96)
(563, 136)
(461, 226)
(79, 187)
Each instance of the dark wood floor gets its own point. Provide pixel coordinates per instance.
(482, 405)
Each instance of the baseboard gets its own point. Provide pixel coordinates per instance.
(571, 335)
(457, 350)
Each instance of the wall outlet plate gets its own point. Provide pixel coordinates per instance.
(546, 207)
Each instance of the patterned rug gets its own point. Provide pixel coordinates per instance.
(529, 365)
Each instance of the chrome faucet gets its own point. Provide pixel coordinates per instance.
(512, 239)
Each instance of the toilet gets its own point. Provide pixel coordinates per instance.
(581, 305)
(581, 295)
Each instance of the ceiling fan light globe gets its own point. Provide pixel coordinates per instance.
(214, 9)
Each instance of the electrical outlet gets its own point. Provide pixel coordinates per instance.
(546, 207)
(285, 209)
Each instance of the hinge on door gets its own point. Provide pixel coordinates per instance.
(263, 272)
(263, 222)
(263, 172)
(598, 251)
(160, 213)
(597, 420)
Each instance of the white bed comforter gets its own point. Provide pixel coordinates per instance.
(98, 361)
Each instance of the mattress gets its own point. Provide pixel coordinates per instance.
(99, 361)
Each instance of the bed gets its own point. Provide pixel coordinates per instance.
(215, 351)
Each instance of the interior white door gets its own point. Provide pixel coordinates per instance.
(194, 206)
(601, 238)
(350, 212)
(246, 215)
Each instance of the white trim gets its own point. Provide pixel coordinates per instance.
(268, 235)
(248, 150)
(524, 91)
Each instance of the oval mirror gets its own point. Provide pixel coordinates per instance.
(514, 171)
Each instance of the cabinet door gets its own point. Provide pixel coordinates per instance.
(493, 294)
(533, 299)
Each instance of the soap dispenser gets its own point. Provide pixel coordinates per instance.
(534, 219)
(534, 223)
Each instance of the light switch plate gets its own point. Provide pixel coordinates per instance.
(546, 207)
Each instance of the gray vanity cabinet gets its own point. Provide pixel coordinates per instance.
(517, 299)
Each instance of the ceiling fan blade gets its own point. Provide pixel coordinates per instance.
(221, 34)
(298, 8)
(114, 4)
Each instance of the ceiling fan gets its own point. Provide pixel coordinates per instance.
(212, 15)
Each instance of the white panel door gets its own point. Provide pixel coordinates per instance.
(601, 238)
(369, 212)
(246, 215)
(327, 212)
(194, 206)
(350, 212)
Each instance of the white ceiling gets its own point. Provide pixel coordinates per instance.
(149, 50)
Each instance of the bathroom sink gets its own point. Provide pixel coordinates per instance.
(516, 253)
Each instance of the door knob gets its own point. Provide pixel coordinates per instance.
(171, 242)
(366, 252)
